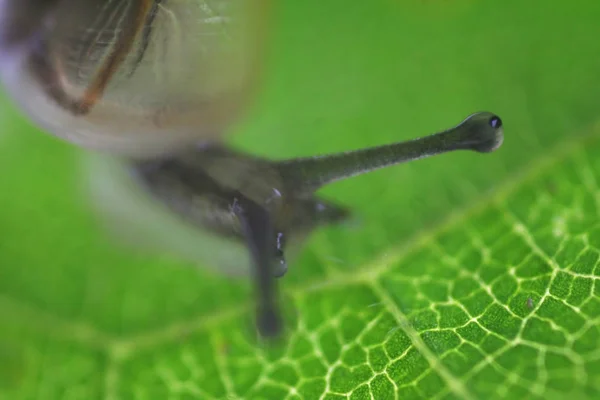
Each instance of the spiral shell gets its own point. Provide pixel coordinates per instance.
(132, 77)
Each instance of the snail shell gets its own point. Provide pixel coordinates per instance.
(133, 77)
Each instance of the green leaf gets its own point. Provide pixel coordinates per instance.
(469, 276)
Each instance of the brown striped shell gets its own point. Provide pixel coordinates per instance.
(134, 77)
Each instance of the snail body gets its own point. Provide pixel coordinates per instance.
(157, 83)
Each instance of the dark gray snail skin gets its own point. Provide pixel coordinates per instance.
(270, 204)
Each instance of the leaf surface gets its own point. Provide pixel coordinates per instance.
(468, 276)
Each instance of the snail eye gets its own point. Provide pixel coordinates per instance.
(125, 75)
(495, 122)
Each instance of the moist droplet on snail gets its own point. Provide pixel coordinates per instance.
(157, 83)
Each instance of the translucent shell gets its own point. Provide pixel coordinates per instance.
(134, 77)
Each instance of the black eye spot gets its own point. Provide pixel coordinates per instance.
(495, 122)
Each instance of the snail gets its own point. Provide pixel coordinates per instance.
(157, 83)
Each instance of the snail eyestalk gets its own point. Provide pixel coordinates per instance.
(481, 132)
(257, 227)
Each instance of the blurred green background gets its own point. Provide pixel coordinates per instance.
(75, 309)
